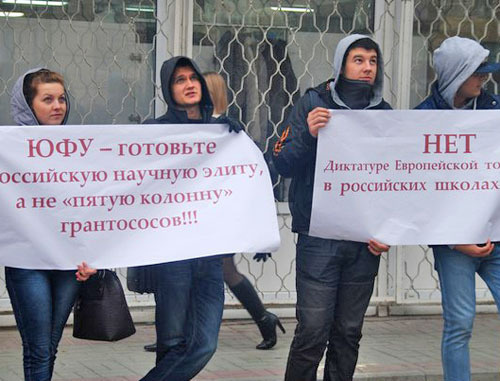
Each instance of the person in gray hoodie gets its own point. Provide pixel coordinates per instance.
(461, 69)
(41, 299)
(334, 278)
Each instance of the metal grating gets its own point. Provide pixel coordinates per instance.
(270, 52)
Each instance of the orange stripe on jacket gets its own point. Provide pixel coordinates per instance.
(279, 144)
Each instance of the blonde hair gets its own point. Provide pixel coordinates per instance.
(218, 91)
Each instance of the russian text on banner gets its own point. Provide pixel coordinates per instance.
(408, 177)
(124, 195)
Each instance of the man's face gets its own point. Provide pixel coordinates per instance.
(186, 87)
(361, 65)
(471, 88)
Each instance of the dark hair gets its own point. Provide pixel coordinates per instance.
(184, 62)
(365, 43)
(32, 80)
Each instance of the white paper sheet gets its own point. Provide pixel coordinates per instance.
(123, 195)
(408, 177)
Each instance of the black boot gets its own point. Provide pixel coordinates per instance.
(267, 327)
(265, 320)
(150, 347)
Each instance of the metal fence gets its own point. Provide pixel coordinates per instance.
(110, 52)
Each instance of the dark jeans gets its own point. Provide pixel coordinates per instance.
(334, 285)
(42, 301)
(189, 299)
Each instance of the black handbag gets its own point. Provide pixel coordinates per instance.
(101, 311)
(141, 279)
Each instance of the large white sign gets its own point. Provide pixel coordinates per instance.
(408, 177)
(117, 196)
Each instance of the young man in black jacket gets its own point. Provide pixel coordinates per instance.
(461, 70)
(334, 278)
(189, 294)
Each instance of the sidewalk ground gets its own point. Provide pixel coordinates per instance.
(393, 348)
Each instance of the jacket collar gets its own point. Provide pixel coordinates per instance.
(484, 100)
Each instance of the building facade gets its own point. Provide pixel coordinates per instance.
(270, 52)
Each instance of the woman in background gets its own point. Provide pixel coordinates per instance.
(239, 285)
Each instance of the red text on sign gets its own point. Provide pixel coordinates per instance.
(448, 143)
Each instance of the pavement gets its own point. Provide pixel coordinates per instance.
(392, 348)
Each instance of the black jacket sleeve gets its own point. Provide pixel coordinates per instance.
(296, 146)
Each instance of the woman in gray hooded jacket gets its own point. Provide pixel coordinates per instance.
(41, 299)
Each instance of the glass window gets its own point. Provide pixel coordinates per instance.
(270, 52)
(103, 48)
(435, 21)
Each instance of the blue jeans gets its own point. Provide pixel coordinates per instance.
(42, 301)
(189, 299)
(334, 285)
(458, 288)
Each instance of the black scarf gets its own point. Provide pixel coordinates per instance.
(355, 94)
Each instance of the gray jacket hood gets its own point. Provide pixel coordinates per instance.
(340, 51)
(454, 62)
(20, 110)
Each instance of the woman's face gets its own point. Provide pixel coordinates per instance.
(49, 103)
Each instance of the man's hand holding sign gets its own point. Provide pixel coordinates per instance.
(316, 120)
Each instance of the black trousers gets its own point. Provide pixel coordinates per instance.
(334, 285)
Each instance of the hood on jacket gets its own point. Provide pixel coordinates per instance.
(166, 74)
(454, 62)
(20, 110)
(338, 58)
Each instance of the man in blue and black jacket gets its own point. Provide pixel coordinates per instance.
(334, 278)
(189, 294)
(461, 69)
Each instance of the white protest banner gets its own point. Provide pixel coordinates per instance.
(408, 177)
(125, 195)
